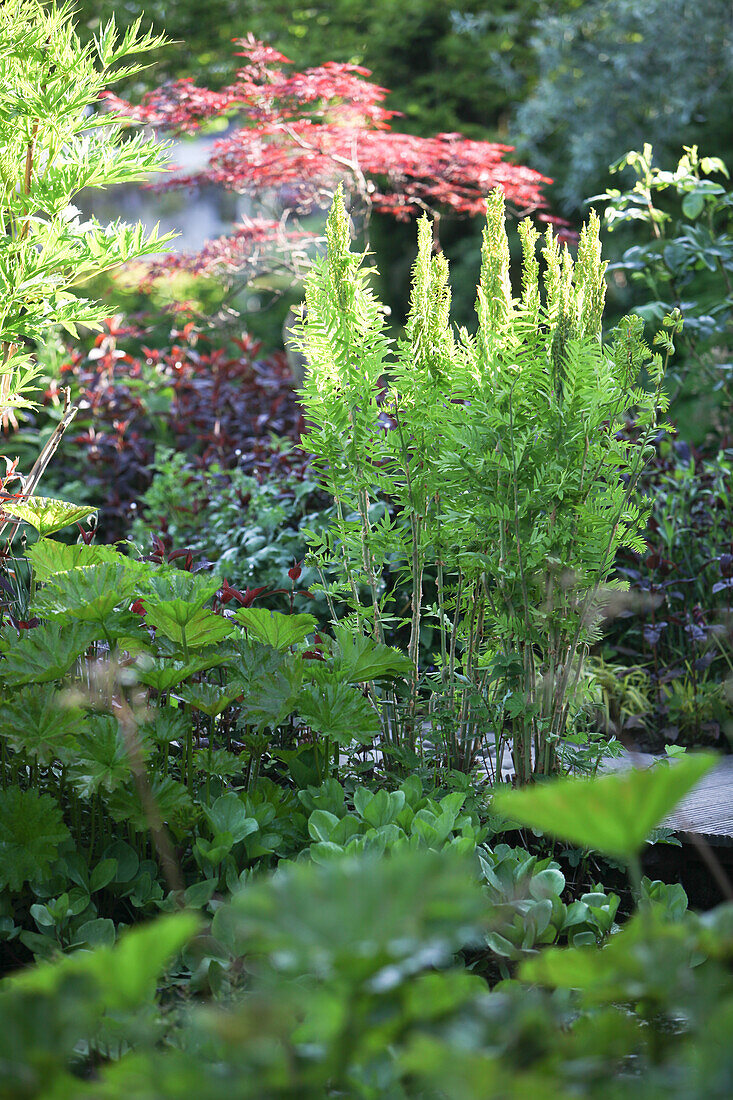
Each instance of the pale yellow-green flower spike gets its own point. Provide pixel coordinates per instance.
(428, 322)
(551, 256)
(530, 271)
(340, 257)
(494, 301)
(417, 318)
(441, 294)
(565, 320)
(590, 283)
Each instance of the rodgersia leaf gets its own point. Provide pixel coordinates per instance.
(172, 800)
(49, 556)
(208, 698)
(102, 761)
(47, 515)
(31, 829)
(37, 721)
(88, 594)
(359, 659)
(272, 628)
(338, 711)
(187, 625)
(44, 653)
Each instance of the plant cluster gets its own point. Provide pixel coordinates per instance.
(433, 457)
(674, 634)
(252, 530)
(687, 264)
(126, 694)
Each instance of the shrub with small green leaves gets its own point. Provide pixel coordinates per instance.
(683, 260)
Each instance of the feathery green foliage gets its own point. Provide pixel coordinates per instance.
(486, 470)
(52, 146)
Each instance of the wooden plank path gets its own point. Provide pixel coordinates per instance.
(706, 813)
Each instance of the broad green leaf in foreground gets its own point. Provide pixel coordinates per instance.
(162, 675)
(339, 711)
(188, 625)
(613, 813)
(89, 594)
(125, 975)
(47, 515)
(359, 659)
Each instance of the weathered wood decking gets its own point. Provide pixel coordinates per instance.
(707, 811)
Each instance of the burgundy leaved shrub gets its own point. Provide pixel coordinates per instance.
(216, 399)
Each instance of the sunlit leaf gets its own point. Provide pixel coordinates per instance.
(88, 594)
(208, 698)
(187, 625)
(47, 556)
(47, 515)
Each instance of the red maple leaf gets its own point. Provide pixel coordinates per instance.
(295, 135)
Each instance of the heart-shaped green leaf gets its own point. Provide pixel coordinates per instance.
(229, 815)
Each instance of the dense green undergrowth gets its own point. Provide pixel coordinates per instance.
(364, 974)
(262, 852)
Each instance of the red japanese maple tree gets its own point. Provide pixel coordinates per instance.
(294, 136)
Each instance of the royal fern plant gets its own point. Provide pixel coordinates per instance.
(53, 144)
(484, 471)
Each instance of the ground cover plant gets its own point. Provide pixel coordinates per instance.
(134, 692)
(341, 1003)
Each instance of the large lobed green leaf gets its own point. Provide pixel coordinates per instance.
(274, 629)
(47, 515)
(45, 653)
